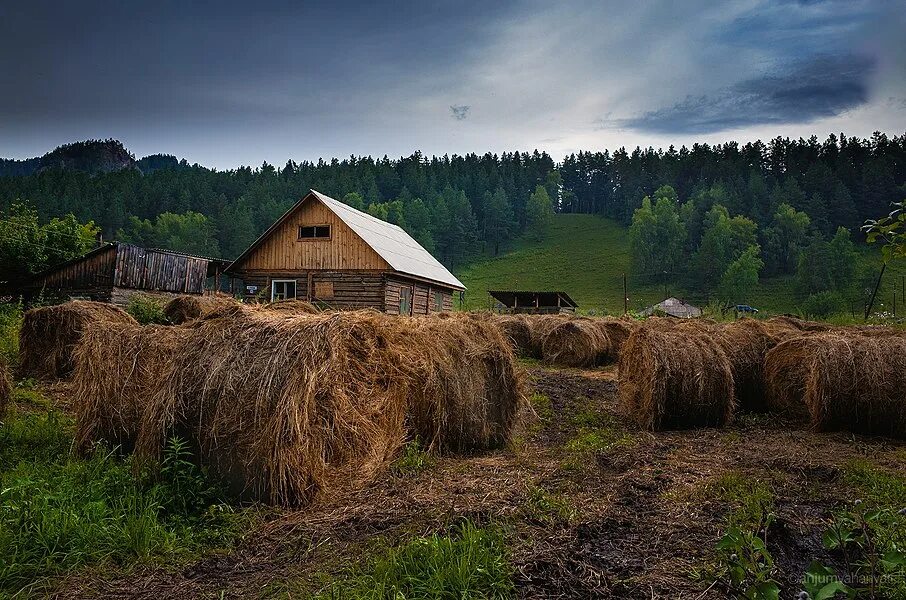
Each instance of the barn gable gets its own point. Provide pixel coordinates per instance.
(281, 248)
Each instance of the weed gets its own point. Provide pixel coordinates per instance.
(747, 566)
(147, 310)
(469, 563)
(547, 508)
(750, 500)
(543, 407)
(10, 322)
(413, 460)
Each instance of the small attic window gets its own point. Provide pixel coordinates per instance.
(314, 232)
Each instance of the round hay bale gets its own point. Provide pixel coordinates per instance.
(119, 368)
(540, 326)
(182, 309)
(298, 307)
(6, 387)
(467, 391)
(675, 380)
(785, 369)
(746, 342)
(49, 335)
(517, 330)
(576, 343)
(616, 330)
(858, 383)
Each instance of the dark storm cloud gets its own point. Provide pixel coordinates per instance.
(821, 87)
(202, 61)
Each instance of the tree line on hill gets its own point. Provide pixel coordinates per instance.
(463, 206)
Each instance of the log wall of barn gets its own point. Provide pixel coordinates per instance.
(342, 290)
(423, 296)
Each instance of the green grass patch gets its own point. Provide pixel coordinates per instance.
(59, 514)
(749, 499)
(469, 562)
(147, 310)
(547, 508)
(599, 435)
(881, 490)
(542, 406)
(10, 322)
(413, 460)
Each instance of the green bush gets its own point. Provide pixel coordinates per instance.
(469, 563)
(823, 304)
(147, 310)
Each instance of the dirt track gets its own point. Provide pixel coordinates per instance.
(638, 530)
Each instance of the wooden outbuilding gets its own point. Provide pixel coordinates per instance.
(338, 257)
(533, 302)
(116, 271)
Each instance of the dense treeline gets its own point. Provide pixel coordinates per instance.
(459, 206)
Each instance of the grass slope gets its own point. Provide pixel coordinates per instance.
(586, 256)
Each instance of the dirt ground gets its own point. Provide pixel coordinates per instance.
(634, 528)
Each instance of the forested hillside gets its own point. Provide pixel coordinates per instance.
(462, 207)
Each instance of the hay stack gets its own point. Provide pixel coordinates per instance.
(6, 387)
(186, 308)
(290, 407)
(541, 326)
(517, 330)
(576, 343)
(49, 335)
(466, 390)
(617, 330)
(857, 383)
(785, 371)
(120, 367)
(298, 307)
(673, 380)
(791, 322)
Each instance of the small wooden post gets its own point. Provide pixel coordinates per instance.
(875, 292)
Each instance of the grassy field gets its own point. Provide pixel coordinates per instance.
(586, 257)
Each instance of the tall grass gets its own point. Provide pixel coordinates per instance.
(468, 563)
(10, 321)
(58, 513)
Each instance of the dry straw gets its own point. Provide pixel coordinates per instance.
(518, 330)
(576, 343)
(49, 335)
(858, 383)
(785, 370)
(289, 407)
(186, 308)
(300, 307)
(670, 379)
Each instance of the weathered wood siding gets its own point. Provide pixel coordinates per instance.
(91, 277)
(283, 251)
(142, 269)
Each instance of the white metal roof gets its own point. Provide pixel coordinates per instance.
(392, 243)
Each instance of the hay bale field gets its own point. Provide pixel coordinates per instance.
(857, 383)
(49, 335)
(288, 408)
(675, 380)
(6, 387)
(186, 308)
(119, 368)
(576, 343)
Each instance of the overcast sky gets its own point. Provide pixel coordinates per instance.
(231, 83)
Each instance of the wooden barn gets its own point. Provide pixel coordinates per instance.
(331, 254)
(115, 271)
